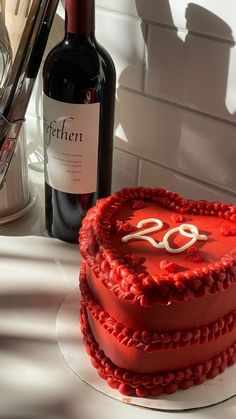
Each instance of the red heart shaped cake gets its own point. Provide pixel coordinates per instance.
(158, 290)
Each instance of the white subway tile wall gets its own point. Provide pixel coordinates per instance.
(176, 94)
(125, 169)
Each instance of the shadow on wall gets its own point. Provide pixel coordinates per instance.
(181, 75)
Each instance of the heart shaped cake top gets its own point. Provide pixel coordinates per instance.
(153, 246)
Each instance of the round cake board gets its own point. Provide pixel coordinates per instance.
(70, 342)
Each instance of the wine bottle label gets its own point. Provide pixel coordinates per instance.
(71, 134)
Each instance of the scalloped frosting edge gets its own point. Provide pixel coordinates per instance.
(120, 277)
(153, 341)
(142, 385)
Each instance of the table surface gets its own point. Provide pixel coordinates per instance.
(37, 273)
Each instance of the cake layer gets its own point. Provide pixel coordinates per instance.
(183, 315)
(145, 352)
(153, 384)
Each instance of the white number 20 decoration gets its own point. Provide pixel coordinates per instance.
(187, 230)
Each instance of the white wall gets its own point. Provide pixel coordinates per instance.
(176, 94)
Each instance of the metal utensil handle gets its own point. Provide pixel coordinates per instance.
(8, 144)
(25, 68)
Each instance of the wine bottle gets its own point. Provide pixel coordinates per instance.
(78, 112)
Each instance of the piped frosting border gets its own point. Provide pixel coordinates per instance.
(116, 274)
(153, 341)
(143, 385)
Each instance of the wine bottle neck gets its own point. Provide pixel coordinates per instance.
(80, 17)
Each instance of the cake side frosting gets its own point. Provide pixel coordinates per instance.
(146, 351)
(152, 383)
(192, 313)
(156, 340)
(143, 385)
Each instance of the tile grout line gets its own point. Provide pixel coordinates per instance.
(144, 66)
(149, 21)
(177, 172)
(179, 106)
(138, 170)
(118, 13)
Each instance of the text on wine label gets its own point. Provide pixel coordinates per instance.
(60, 130)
